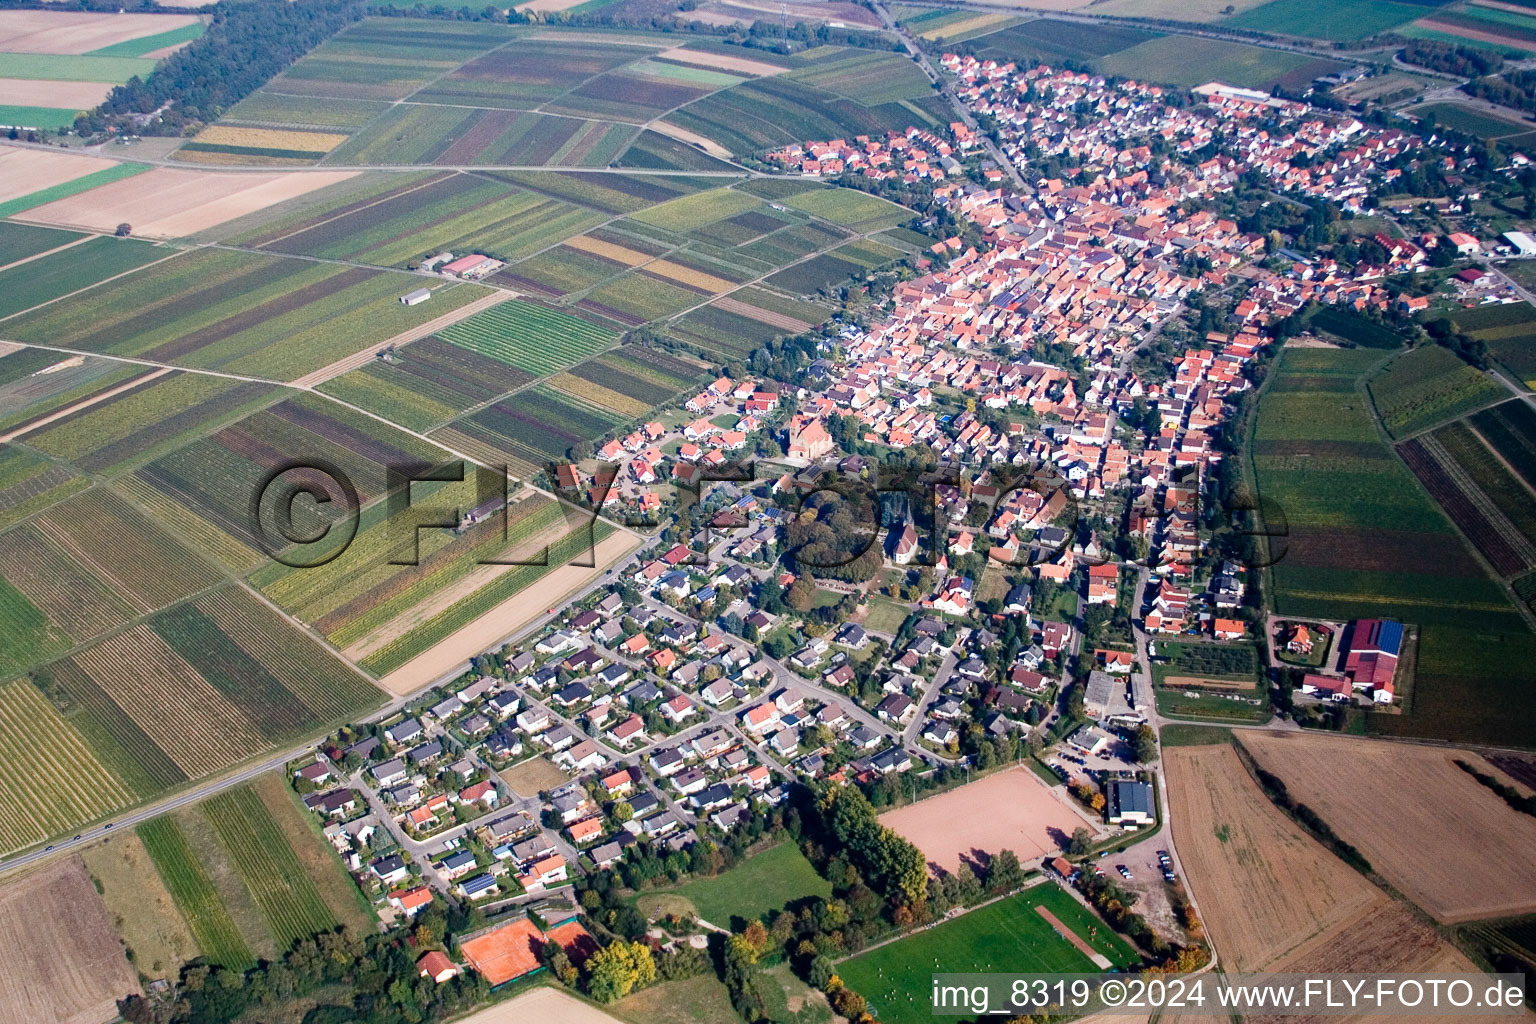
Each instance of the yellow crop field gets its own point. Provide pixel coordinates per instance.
(270, 138)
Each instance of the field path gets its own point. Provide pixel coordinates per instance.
(84, 403)
(49, 252)
(356, 359)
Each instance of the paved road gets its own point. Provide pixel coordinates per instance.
(961, 110)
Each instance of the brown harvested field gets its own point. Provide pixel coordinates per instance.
(29, 92)
(505, 619)
(1477, 35)
(547, 1005)
(1011, 810)
(766, 316)
(1438, 835)
(720, 61)
(71, 32)
(171, 202)
(63, 964)
(143, 911)
(24, 171)
(1264, 887)
(1391, 939)
(709, 146)
(1203, 683)
(533, 776)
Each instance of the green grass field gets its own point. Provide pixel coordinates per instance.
(1187, 60)
(148, 44)
(70, 68)
(1463, 119)
(37, 117)
(759, 885)
(1009, 935)
(1336, 20)
(195, 894)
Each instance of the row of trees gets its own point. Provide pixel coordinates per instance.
(245, 45)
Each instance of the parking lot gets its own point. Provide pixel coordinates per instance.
(1140, 859)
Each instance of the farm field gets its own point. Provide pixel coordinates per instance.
(392, 220)
(758, 886)
(65, 32)
(1265, 887)
(187, 878)
(1052, 40)
(24, 241)
(530, 338)
(1510, 430)
(1472, 122)
(1187, 60)
(540, 425)
(1183, 10)
(1478, 25)
(1008, 810)
(769, 112)
(1509, 330)
(286, 896)
(30, 482)
(55, 275)
(1502, 518)
(426, 383)
(45, 796)
(545, 1004)
(148, 920)
(1356, 523)
(1429, 385)
(1346, 20)
(66, 963)
(503, 607)
(1009, 935)
(238, 312)
(1437, 834)
(172, 202)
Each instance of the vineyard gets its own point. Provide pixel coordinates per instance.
(196, 725)
(124, 748)
(1427, 386)
(1462, 509)
(572, 547)
(236, 311)
(528, 337)
(540, 424)
(26, 635)
(1510, 430)
(51, 782)
(69, 596)
(289, 903)
(1507, 494)
(189, 885)
(112, 540)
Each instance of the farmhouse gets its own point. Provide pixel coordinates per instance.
(473, 267)
(1371, 650)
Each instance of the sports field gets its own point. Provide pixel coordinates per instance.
(1008, 935)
